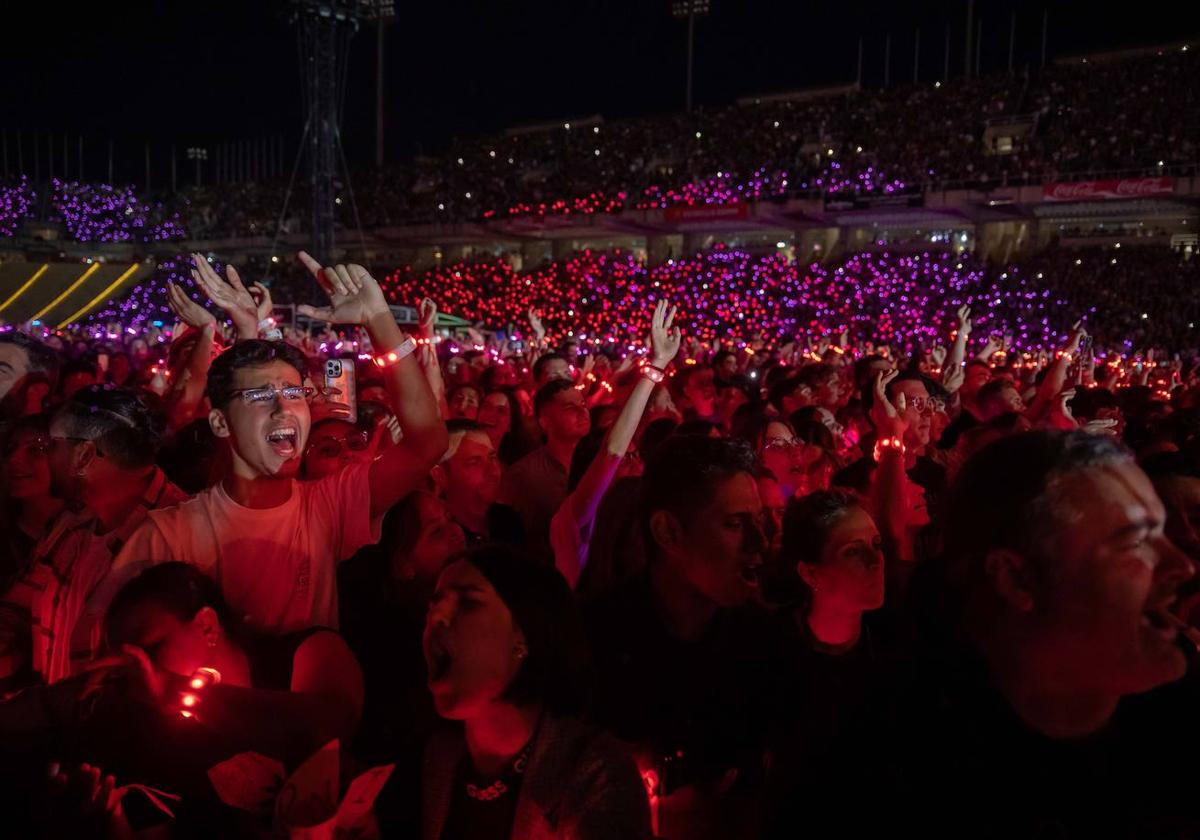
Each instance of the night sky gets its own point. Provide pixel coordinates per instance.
(203, 72)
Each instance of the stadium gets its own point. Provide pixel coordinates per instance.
(673, 420)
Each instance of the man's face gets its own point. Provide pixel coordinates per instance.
(473, 474)
(1112, 574)
(566, 417)
(727, 368)
(267, 437)
(721, 545)
(554, 369)
(829, 392)
(464, 403)
(974, 378)
(918, 411)
(14, 366)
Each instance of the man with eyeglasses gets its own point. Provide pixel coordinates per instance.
(102, 445)
(273, 542)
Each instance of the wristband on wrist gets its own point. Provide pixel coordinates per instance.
(391, 357)
(891, 444)
(654, 374)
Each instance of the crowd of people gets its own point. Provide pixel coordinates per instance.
(683, 581)
(1133, 115)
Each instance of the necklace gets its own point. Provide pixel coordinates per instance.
(497, 788)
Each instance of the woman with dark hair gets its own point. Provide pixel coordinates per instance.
(507, 657)
(598, 461)
(797, 466)
(500, 416)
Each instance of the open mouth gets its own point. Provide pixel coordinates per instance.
(1159, 619)
(283, 442)
(749, 573)
(439, 661)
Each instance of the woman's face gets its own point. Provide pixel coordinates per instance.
(473, 648)
(850, 572)
(438, 539)
(495, 415)
(27, 465)
(782, 455)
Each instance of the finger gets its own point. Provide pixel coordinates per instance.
(671, 316)
(323, 313)
(343, 275)
(314, 267)
(235, 279)
(901, 402)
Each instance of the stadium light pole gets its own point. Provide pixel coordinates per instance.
(689, 10)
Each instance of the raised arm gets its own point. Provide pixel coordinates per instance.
(952, 369)
(232, 297)
(889, 484)
(355, 298)
(585, 500)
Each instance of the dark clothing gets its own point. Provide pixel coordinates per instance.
(927, 474)
(491, 812)
(960, 742)
(535, 488)
(698, 712)
(383, 622)
(963, 422)
(503, 526)
(272, 658)
(578, 783)
(836, 704)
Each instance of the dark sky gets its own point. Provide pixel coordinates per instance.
(210, 70)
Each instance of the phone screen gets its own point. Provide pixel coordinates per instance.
(340, 388)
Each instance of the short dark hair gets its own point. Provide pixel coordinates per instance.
(681, 474)
(992, 389)
(248, 354)
(808, 521)
(179, 588)
(543, 361)
(1003, 497)
(546, 394)
(721, 356)
(121, 422)
(557, 669)
(463, 424)
(42, 358)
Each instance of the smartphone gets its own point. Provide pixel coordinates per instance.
(340, 389)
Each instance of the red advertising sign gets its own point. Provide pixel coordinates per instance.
(1094, 190)
(706, 212)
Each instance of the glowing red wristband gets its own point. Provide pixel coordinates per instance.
(892, 444)
(392, 356)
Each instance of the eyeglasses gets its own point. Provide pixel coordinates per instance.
(920, 404)
(55, 438)
(262, 396)
(333, 447)
(782, 444)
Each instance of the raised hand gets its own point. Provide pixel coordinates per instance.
(187, 310)
(664, 337)
(354, 295)
(964, 320)
(535, 324)
(887, 418)
(262, 297)
(232, 297)
(938, 354)
(427, 316)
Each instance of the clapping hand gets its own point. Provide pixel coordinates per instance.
(664, 337)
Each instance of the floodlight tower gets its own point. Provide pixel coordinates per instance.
(689, 10)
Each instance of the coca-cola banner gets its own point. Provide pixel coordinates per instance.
(1123, 188)
(707, 212)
